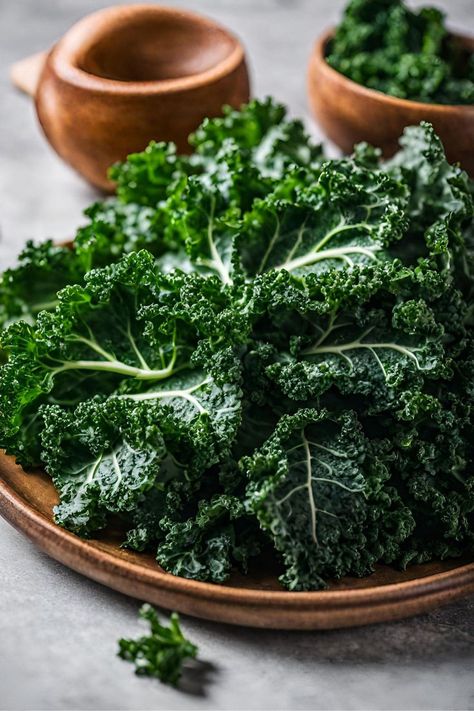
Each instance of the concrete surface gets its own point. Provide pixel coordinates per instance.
(58, 631)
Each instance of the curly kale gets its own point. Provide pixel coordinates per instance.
(127, 334)
(161, 653)
(255, 354)
(314, 486)
(406, 53)
(270, 141)
(32, 285)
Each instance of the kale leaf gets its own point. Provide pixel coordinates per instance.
(265, 136)
(206, 546)
(32, 285)
(162, 652)
(346, 217)
(125, 334)
(314, 486)
(147, 178)
(102, 458)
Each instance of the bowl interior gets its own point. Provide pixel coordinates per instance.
(151, 46)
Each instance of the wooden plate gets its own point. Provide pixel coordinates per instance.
(257, 600)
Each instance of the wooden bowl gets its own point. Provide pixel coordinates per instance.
(129, 74)
(349, 112)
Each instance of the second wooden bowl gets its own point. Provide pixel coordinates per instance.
(349, 112)
(129, 74)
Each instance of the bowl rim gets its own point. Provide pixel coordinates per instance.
(63, 56)
(319, 56)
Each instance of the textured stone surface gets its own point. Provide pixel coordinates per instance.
(58, 631)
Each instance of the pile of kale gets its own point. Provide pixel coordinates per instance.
(256, 351)
(384, 45)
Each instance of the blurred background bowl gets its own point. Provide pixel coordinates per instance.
(129, 74)
(349, 112)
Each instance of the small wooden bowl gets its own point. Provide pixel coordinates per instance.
(349, 112)
(129, 74)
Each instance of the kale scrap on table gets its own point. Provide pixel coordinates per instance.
(256, 351)
(406, 53)
(160, 653)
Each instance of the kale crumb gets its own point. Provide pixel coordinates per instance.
(161, 653)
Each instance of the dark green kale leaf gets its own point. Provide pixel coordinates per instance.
(431, 465)
(161, 653)
(347, 217)
(105, 455)
(376, 332)
(124, 334)
(102, 458)
(114, 229)
(374, 352)
(264, 135)
(147, 178)
(319, 491)
(200, 405)
(32, 285)
(165, 499)
(440, 209)
(437, 188)
(386, 46)
(208, 219)
(206, 546)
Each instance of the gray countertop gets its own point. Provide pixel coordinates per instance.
(58, 631)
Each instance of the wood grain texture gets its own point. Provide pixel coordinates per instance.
(126, 75)
(257, 600)
(349, 112)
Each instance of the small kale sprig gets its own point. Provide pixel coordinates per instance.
(161, 653)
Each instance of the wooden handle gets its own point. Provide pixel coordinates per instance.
(25, 74)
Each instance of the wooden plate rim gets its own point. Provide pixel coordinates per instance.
(29, 520)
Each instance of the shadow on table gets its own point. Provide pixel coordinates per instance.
(441, 635)
(445, 634)
(197, 676)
